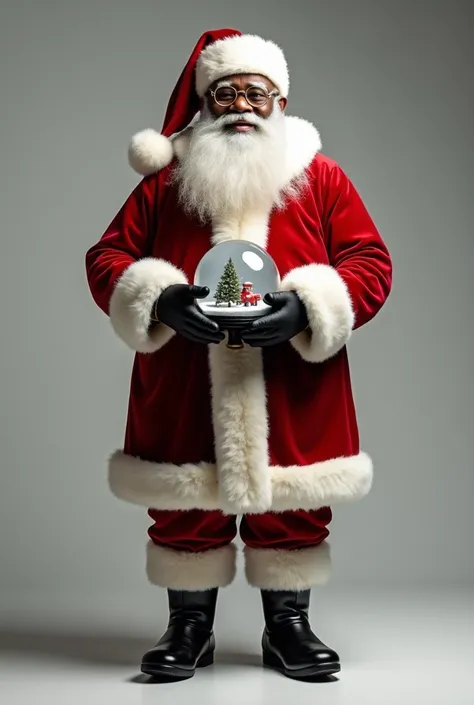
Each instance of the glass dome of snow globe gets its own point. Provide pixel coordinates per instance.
(238, 274)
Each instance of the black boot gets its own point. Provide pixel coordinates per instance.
(288, 643)
(188, 642)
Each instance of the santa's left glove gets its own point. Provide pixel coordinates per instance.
(176, 308)
(287, 318)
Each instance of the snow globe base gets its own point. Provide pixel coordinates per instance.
(234, 323)
(238, 274)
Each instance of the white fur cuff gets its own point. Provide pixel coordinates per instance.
(132, 301)
(278, 569)
(329, 308)
(190, 570)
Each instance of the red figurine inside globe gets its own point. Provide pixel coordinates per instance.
(247, 296)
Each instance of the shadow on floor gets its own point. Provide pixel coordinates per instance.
(87, 648)
(223, 658)
(100, 649)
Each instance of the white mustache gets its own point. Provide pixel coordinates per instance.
(232, 118)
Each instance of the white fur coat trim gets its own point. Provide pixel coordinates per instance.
(132, 301)
(240, 428)
(279, 569)
(182, 487)
(329, 308)
(190, 570)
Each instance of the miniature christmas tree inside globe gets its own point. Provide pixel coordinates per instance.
(238, 275)
(228, 288)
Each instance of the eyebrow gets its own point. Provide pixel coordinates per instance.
(253, 84)
(259, 84)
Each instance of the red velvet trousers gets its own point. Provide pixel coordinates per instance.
(198, 530)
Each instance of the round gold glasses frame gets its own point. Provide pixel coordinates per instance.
(258, 100)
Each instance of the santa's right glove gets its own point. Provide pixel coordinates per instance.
(177, 309)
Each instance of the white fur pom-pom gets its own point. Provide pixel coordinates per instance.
(149, 151)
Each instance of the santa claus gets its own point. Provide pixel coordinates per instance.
(267, 433)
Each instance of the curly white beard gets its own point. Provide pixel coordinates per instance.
(228, 173)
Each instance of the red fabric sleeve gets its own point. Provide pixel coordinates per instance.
(356, 249)
(126, 240)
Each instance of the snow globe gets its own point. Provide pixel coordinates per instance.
(238, 274)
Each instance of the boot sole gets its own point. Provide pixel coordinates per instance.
(173, 672)
(325, 669)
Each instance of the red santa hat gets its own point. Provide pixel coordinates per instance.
(218, 54)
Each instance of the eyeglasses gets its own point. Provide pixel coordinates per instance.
(255, 96)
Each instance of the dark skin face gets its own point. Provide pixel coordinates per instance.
(241, 83)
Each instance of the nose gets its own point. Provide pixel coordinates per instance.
(241, 105)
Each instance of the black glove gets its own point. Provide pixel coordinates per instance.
(287, 319)
(177, 309)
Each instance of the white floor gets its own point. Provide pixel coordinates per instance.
(416, 649)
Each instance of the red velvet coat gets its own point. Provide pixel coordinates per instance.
(252, 430)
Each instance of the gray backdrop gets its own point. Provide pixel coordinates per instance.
(389, 87)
